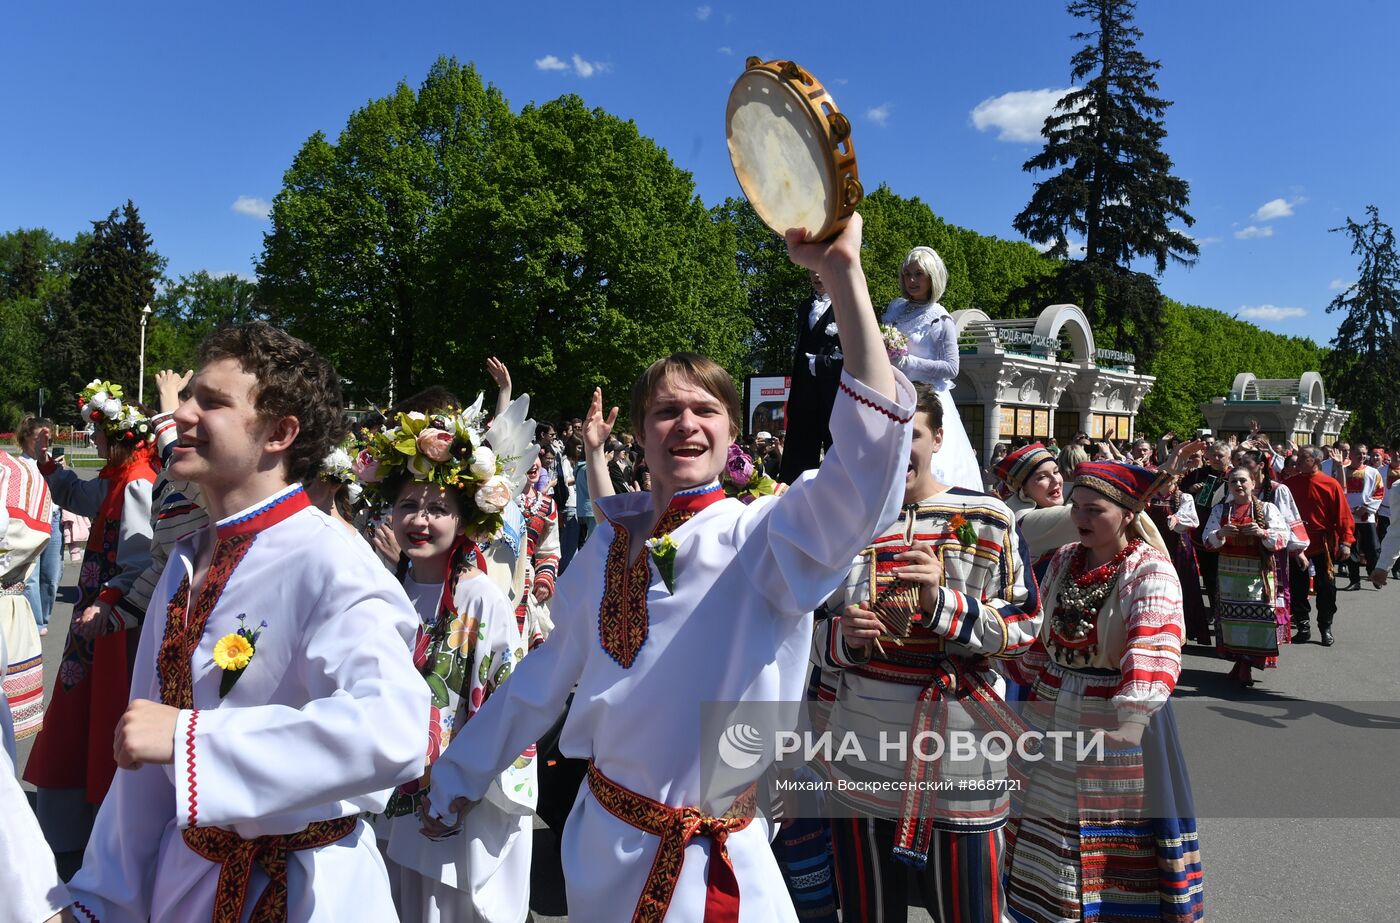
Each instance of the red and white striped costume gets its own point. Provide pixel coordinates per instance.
(540, 567)
(30, 516)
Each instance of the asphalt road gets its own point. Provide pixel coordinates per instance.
(1336, 707)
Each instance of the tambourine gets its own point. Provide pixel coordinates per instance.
(791, 150)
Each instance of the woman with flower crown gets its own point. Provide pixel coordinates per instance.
(1117, 840)
(72, 763)
(928, 352)
(688, 596)
(447, 491)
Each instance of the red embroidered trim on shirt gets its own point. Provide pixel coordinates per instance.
(623, 622)
(861, 399)
(189, 767)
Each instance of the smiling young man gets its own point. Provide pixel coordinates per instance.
(977, 602)
(274, 697)
(649, 635)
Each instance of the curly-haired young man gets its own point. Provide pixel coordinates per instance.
(274, 697)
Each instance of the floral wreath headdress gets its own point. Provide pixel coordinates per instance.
(447, 448)
(101, 403)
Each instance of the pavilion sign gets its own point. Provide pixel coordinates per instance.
(1113, 357)
(1013, 337)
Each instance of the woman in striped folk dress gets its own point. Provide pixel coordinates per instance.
(1109, 654)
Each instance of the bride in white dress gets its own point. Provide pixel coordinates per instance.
(933, 358)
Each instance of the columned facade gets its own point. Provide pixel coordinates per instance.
(1042, 377)
(1296, 409)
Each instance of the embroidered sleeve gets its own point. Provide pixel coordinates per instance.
(835, 652)
(1007, 621)
(1150, 601)
(546, 557)
(166, 436)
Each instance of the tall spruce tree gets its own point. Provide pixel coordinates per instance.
(1114, 186)
(97, 327)
(1365, 359)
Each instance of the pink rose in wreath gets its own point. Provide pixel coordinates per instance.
(435, 444)
(366, 468)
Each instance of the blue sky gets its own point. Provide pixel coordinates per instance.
(1284, 123)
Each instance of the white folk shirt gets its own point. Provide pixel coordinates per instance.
(1365, 491)
(328, 717)
(737, 627)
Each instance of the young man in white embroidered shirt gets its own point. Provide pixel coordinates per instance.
(717, 608)
(274, 697)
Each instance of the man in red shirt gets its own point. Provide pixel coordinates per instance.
(1322, 503)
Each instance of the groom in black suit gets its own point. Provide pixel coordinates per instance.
(816, 371)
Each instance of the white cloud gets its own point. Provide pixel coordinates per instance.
(702, 13)
(1270, 312)
(1252, 231)
(1278, 208)
(252, 206)
(586, 69)
(580, 65)
(726, 50)
(880, 114)
(1018, 115)
(1339, 285)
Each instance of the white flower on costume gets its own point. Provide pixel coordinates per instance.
(831, 329)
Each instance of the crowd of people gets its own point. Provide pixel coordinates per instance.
(332, 669)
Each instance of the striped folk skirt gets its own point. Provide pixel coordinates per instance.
(1246, 617)
(24, 679)
(1118, 843)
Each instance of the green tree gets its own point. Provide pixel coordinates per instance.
(440, 228)
(1114, 183)
(774, 287)
(193, 306)
(35, 271)
(1365, 359)
(96, 328)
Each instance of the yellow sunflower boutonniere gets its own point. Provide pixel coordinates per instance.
(663, 552)
(234, 651)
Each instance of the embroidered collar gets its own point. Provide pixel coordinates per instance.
(281, 505)
(623, 621)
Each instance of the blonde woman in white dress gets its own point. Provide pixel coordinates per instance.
(933, 358)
